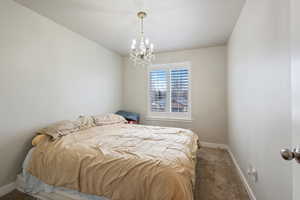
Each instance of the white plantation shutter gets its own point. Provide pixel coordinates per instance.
(179, 90)
(158, 90)
(169, 91)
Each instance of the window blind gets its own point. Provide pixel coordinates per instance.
(179, 90)
(158, 90)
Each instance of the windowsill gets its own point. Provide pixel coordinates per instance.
(169, 119)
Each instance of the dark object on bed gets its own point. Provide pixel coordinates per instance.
(131, 117)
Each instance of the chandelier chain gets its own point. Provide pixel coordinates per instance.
(142, 25)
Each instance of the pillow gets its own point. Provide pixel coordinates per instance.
(37, 139)
(86, 122)
(108, 119)
(60, 129)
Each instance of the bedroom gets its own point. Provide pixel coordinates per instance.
(220, 76)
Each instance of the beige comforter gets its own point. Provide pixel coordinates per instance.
(120, 162)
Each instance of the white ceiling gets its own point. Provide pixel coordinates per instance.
(170, 25)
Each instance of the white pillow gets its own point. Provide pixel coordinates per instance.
(108, 119)
(60, 128)
(86, 122)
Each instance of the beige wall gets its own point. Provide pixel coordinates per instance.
(47, 73)
(208, 91)
(259, 96)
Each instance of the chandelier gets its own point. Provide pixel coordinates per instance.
(141, 49)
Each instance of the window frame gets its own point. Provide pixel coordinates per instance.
(170, 116)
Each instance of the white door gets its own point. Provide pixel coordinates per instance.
(294, 153)
(295, 71)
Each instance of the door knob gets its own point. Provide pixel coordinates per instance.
(288, 154)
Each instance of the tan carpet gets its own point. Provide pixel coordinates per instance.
(217, 179)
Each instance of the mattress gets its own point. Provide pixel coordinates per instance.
(120, 162)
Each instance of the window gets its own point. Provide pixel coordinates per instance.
(169, 91)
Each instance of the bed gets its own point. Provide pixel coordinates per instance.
(114, 162)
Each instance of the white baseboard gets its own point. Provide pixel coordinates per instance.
(241, 174)
(243, 177)
(7, 189)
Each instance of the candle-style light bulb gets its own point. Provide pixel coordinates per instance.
(147, 41)
(134, 41)
(133, 44)
(151, 47)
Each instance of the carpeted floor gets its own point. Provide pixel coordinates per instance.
(217, 179)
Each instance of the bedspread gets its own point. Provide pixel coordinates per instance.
(120, 162)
